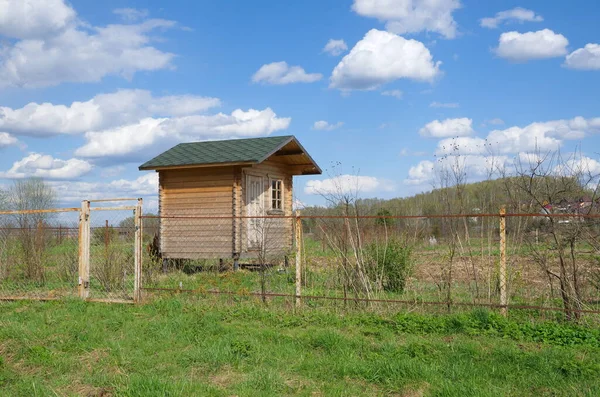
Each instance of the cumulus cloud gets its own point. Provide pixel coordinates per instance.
(335, 47)
(46, 166)
(521, 47)
(52, 47)
(30, 19)
(461, 146)
(323, 125)
(542, 136)
(516, 14)
(475, 167)
(75, 191)
(421, 173)
(448, 105)
(394, 93)
(7, 139)
(280, 73)
(151, 135)
(347, 184)
(381, 57)
(586, 58)
(412, 16)
(447, 128)
(100, 112)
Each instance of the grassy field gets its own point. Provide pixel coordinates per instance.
(180, 346)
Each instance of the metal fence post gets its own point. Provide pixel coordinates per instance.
(84, 250)
(502, 275)
(137, 283)
(298, 230)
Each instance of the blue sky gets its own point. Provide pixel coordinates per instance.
(89, 90)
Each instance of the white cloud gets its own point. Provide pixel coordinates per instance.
(111, 172)
(581, 165)
(347, 184)
(520, 47)
(45, 166)
(461, 146)
(144, 186)
(496, 121)
(421, 173)
(29, 19)
(335, 47)
(53, 47)
(323, 125)
(381, 57)
(405, 153)
(100, 112)
(412, 16)
(473, 167)
(447, 128)
(542, 136)
(449, 105)
(395, 93)
(131, 14)
(152, 135)
(586, 58)
(281, 73)
(7, 139)
(517, 14)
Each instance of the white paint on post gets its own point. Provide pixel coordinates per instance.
(84, 250)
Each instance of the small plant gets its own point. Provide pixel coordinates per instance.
(389, 264)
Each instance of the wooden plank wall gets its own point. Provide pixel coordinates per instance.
(197, 192)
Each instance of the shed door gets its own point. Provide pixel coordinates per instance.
(255, 189)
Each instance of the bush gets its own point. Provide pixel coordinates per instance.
(389, 264)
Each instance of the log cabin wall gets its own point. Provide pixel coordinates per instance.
(197, 192)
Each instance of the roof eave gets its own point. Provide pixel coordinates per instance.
(293, 138)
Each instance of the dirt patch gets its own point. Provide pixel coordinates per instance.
(226, 377)
(88, 391)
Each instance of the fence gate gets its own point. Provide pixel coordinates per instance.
(110, 251)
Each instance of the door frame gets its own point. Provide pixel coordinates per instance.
(251, 238)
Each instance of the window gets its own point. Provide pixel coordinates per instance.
(277, 194)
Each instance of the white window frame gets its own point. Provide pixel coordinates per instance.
(282, 191)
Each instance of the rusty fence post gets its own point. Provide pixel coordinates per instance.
(138, 238)
(502, 273)
(84, 250)
(298, 238)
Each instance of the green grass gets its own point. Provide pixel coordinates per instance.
(181, 346)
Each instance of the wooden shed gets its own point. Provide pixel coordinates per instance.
(223, 199)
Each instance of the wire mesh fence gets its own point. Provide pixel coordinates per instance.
(39, 254)
(112, 268)
(89, 252)
(535, 264)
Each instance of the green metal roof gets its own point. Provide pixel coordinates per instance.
(252, 150)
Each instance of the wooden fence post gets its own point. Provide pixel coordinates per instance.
(502, 275)
(138, 239)
(298, 230)
(84, 250)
